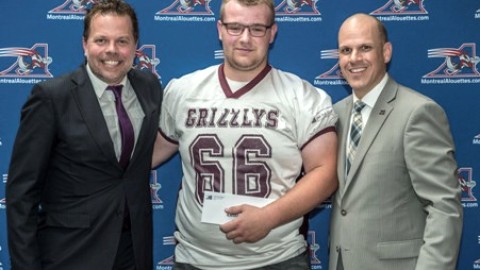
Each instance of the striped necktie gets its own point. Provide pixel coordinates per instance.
(355, 131)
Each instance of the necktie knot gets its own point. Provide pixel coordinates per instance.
(116, 89)
(358, 106)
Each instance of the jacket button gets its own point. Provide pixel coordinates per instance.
(337, 248)
(343, 212)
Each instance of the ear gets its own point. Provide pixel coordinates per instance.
(219, 29)
(84, 45)
(273, 30)
(387, 52)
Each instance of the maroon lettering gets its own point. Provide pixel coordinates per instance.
(190, 122)
(272, 119)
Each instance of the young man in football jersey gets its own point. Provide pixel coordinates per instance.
(244, 130)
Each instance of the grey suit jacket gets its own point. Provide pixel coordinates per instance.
(399, 207)
(66, 191)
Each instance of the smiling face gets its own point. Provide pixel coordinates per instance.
(363, 53)
(110, 47)
(245, 55)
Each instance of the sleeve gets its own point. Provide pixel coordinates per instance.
(429, 154)
(167, 121)
(26, 178)
(316, 114)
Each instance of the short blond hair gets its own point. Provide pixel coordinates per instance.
(269, 3)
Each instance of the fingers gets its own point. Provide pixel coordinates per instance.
(235, 237)
(234, 210)
(247, 226)
(238, 240)
(227, 227)
(230, 229)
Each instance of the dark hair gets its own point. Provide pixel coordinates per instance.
(118, 7)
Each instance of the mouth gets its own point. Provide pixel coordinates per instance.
(112, 63)
(242, 49)
(357, 70)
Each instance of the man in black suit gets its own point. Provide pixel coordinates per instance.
(78, 193)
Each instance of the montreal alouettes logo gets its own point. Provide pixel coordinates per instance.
(465, 178)
(168, 262)
(401, 7)
(74, 7)
(332, 76)
(146, 60)
(457, 62)
(334, 72)
(313, 248)
(26, 62)
(187, 7)
(297, 7)
(154, 188)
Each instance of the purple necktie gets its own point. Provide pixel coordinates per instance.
(126, 128)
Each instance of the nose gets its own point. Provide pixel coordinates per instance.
(356, 55)
(245, 35)
(111, 46)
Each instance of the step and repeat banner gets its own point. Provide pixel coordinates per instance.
(435, 52)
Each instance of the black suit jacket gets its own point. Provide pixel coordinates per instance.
(66, 190)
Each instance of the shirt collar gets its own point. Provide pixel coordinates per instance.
(371, 97)
(100, 86)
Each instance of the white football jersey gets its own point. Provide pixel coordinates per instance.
(246, 142)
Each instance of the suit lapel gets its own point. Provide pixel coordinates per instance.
(92, 113)
(343, 110)
(380, 112)
(141, 88)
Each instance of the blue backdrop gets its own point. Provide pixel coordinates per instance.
(434, 52)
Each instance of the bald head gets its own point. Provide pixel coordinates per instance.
(362, 18)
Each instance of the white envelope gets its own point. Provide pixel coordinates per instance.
(214, 205)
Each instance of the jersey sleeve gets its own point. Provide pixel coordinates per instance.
(316, 114)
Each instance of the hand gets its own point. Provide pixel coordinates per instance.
(251, 224)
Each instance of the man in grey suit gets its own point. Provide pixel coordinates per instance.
(78, 194)
(398, 203)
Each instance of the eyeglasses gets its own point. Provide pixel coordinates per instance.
(256, 30)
